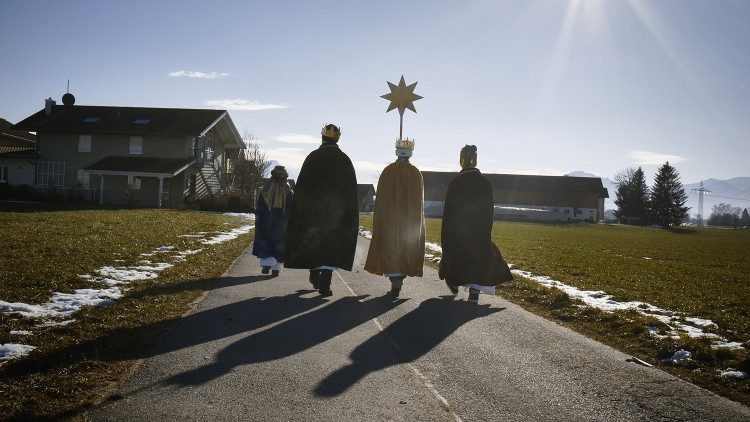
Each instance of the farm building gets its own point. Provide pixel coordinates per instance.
(131, 155)
(527, 197)
(366, 197)
(17, 152)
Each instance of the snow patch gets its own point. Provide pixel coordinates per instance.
(24, 309)
(225, 236)
(53, 323)
(165, 248)
(64, 304)
(247, 215)
(367, 234)
(182, 255)
(20, 333)
(125, 275)
(433, 247)
(734, 374)
(10, 351)
(678, 357)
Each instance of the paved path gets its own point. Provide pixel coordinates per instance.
(270, 349)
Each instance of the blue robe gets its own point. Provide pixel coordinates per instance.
(270, 229)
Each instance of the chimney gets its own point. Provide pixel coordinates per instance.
(49, 106)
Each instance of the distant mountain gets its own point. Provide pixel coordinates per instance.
(734, 191)
(738, 187)
(742, 183)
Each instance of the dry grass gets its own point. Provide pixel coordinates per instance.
(75, 366)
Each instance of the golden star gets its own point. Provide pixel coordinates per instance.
(402, 96)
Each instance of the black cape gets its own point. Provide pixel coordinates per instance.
(270, 228)
(322, 228)
(469, 256)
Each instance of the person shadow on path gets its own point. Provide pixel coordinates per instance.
(404, 341)
(290, 337)
(170, 335)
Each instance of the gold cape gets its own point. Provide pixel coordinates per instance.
(397, 244)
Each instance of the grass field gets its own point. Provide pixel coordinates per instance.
(75, 366)
(700, 272)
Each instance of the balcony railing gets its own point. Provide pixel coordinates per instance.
(68, 194)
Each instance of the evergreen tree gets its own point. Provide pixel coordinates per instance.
(745, 218)
(632, 195)
(668, 197)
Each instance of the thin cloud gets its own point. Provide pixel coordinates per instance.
(240, 104)
(649, 158)
(295, 138)
(194, 74)
(291, 158)
(368, 166)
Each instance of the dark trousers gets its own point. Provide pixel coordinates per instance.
(323, 278)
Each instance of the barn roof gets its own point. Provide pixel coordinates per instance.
(364, 189)
(108, 119)
(521, 189)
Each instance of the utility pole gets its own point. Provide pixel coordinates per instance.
(701, 191)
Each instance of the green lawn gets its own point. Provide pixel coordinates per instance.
(76, 365)
(702, 272)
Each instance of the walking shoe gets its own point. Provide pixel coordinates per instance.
(394, 292)
(453, 289)
(325, 292)
(265, 270)
(275, 273)
(473, 295)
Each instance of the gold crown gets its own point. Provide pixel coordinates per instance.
(333, 132)
(405, 143)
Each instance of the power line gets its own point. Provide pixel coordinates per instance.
(729, 197)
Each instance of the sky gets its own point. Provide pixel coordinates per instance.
(539, 86)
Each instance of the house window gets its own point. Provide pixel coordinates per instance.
(82, 179)
(84, 143)
(3, 174)
(51, 173)
(136, 145)
(190, 142)
(134, 182)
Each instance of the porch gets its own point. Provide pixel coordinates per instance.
(135, 172)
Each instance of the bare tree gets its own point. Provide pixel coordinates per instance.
(251, 167)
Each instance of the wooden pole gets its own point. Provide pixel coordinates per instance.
(161, 190)
(401, 126)
(101, 189)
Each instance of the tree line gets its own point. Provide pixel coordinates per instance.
(662, 204)
(726, 215)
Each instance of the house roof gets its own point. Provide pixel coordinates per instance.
(141, 165)
(363, 190)
(108, 119)
(20, 136)
(16, 151)
(521, 189)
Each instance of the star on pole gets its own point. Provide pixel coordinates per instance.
(402, 96)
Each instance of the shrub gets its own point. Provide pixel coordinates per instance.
(6, 191)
